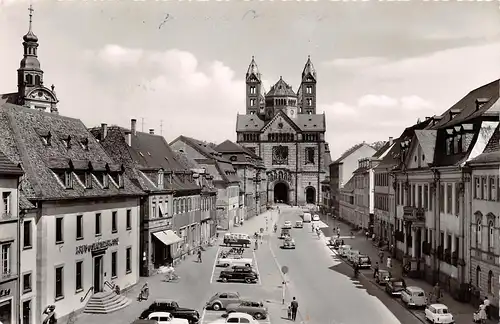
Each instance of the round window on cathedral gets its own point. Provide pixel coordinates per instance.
(233, 158)
(40, 93)
(280, 125)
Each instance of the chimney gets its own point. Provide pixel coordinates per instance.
(128, 138)
(151, 131)
(390, 140)
(104, 128)
(133, 123)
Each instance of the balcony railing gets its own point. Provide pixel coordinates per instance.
(414, 214)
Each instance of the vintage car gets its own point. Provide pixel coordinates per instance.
(238, 273)
(395, 286)
(363, 261)
(285, 232)
(352, 256)
(413, 296)
(334, 243)
(438, 313)
(166, 318)
(144, 321)
(233, 260)
(287, 224)
(316, 218)
(288, 243)
(171, 307)
(299, 224)
(221, 299)
(344, 250)
(253, 308)
(382, 277)
(237, 239)
(240, 318)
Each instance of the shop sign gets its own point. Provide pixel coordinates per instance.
(4, 292)
(101, 245)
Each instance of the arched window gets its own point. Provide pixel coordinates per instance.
(490, 282)
(491, 239)
(478, 276)
(29, 79)
(176, 203)
(189, 204)
(478, 232)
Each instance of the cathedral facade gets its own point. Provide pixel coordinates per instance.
(283, 128)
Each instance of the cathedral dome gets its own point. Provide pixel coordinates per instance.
(30, 37)
(30, 62)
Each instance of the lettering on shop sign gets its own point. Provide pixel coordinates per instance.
(4, 292)
(82, 249)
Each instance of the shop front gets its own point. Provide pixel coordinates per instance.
(8, 300)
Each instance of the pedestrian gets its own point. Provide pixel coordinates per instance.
(289, 313)
(342, 242)
(338, 231)
(482, 313)
(381, 256)
(294, 305)
(389, 262)
(436, 292)
(367, 235)
(256, 244)
(375, 270)
(486, 303)
(199, 256)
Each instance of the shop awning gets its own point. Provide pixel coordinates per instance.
(167, 237)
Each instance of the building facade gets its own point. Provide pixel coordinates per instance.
(347, 207)
(229, 204)
(363, 194)
(10, 274)
(28, 273)
(484, 222)
(170, 214)
(87, 224)
(282, 127)
(341, 171)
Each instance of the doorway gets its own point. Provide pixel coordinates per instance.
(310, 195)
(27, 312)
(281, 193)
(158, 250)
(98, 274)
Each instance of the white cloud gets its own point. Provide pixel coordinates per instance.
(379, 101)
(172, 86)
(356, 62)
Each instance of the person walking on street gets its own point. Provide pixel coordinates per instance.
(375, 270)
(436, 292)
(256, 244)
(389, 262)
(199, 256)
(381, 256)
(294, 305)
(486, 303)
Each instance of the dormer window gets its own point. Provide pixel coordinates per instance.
(117, 178)
(233, 158)
(46, 139)
(65, 178)
(102, 177)
(85, 144)
(169, 178)
(88, 180)
(480, 102)
(160, 179)
(67, 142)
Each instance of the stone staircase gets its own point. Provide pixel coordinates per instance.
(106, 302)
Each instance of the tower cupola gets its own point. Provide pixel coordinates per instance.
(254, 88)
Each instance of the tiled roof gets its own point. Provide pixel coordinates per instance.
(491, 153)
(203, 148)
(24, 203)
(8, 167)
(248, 123)
(20, 140)
(9, 98)
(427, 140)
(147, 154)
(281, 88)
(186, 161)
(392, 158)
(350, 151)
(228, 171)
(467, 108)
(310, 122)
(235, 153)
(229, 147)
(381, 150)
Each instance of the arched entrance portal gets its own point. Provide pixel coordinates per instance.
(310, 195)
(281, 193)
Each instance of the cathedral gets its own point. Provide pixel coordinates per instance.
(283, 128)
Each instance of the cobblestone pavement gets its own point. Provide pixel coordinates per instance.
(462, 312)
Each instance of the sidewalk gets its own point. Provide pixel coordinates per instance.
(462, 312)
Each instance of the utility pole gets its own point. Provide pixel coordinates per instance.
(142, 124)
(161, 126)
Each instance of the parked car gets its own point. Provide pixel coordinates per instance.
(253, 308)
(241, 318)
(334, 243)
(363, 261)
(438, 313)
(344, 250)
(395, 286)
(221, 299)
(287, 224)
(234, 260)
(166, 318)
(299, 224)
(382, 277)
(353, 255)
(239, 273)
(144, 321)
(170, 306)
(316, 218)
(237, 239)
(288, 243)
(413, 296)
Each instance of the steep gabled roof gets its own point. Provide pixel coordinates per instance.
(7, 167)
(249, 123)
(21, 133)
(427, 140)
(280, 88)
(350, 151)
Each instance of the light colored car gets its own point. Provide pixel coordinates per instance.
(253, 308)
(307, 217)
(221, 299)
(288, 243)
(383, 277)
(235, 260)
(439, 313)
(241, 318)
(299, 224)
(166, 318)
(352, 256)
(287, 224)
(344, 250)
(316, 218)
(413, 296)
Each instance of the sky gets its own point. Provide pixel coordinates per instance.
(179, 66)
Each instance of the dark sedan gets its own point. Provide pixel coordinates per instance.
(395, 286)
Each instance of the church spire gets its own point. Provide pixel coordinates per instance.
(309, 69)
(253, 69)
(30, 36)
